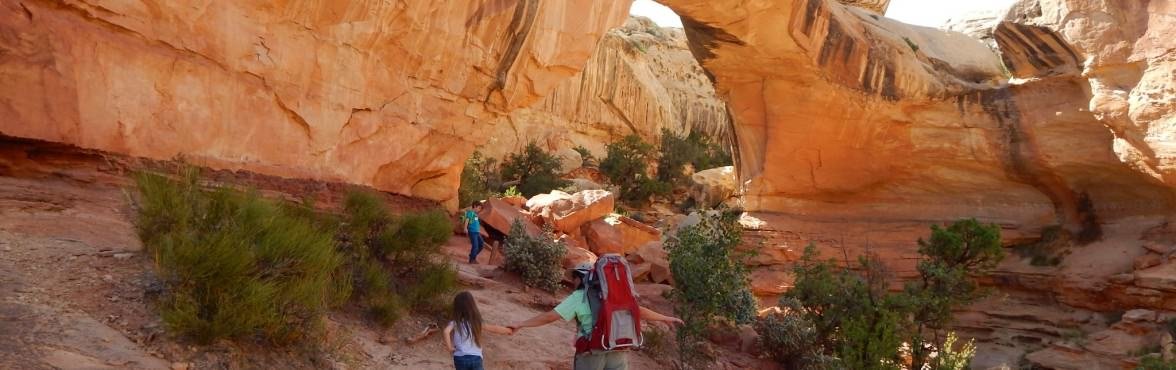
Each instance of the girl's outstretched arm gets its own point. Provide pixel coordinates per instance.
(497, 329)
(449, 336)
(648, 314)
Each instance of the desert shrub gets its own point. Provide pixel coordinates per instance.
(1155, 362)
(236, 265)
(789, 338)
(1047, 250)
(694, 149)
(480, 179)
(512, 191)
(587, 159)
(953, 357)
(627, 166)
(395, 259)
(857, 320)
(536, 259)
(710, 278)
(536, 171)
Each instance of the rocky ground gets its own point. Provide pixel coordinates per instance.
(76, 286)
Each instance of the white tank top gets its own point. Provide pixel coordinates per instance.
(463, 341)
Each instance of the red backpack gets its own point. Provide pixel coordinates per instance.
(613, 300)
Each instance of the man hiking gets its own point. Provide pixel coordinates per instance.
(474, 228)
(576, 306)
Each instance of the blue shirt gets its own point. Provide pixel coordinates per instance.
(463, 341)
(471, 217)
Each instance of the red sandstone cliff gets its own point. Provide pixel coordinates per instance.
(393, 94)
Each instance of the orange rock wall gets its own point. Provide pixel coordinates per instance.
(393, 94)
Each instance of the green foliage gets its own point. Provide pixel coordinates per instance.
(627, 167)
(512, 191)
(1155, 362)
(394, 259)
(857, 320)
(236, 265)
(536, 259)
(587, 159)
(536, 171)
(912, 44)
(710, 279)
(953, 357)
(694, 149)
(789, 338)
(480, 179)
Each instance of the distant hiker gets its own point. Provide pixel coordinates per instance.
(605, 308)
(474, 228)
(463, 335)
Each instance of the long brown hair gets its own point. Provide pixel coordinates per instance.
(466, 316)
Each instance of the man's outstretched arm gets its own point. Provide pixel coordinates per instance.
(648, 314)
(539, 320)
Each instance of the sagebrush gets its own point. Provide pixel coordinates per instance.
(395, 259)
(536, 259)
(480, 179)
(235, 265)
(694, 149)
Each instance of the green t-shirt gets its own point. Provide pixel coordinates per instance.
(575, 306)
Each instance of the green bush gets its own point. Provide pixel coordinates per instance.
(587, 159)
(789, 338)
(536, 171)
(627, 167)
(236, 265)
(710, 280)
(1155, 362)
(395, 260)
(694, 149)
(857, 320)
(536, 259)
(954, 357)
(480, 179)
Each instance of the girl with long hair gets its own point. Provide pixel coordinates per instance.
(463, 335)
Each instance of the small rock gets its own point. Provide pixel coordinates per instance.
(123, 256)
(1139, 315)
(181, 365)
(1168, 347)
(107, 278)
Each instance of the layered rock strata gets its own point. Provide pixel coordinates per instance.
(641, 79)
(393, 94)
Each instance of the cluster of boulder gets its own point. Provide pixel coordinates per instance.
(586, 223)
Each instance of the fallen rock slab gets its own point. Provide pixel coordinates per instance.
(500, 215)
(618, 234)
(587, 205)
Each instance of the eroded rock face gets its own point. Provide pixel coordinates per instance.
(640, 80)
(875, 121)
(393, 94)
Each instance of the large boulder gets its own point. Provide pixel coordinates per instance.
(711, 187)
(658, 259)
(576, 255)
(618, 234)
(586, 206)
(569, 159)
(545, 206)
(499, 214)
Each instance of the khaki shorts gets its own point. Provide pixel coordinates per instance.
(606, 360)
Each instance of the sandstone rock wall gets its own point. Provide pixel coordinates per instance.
(641, 79)
(877, 120)
(393, 94)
